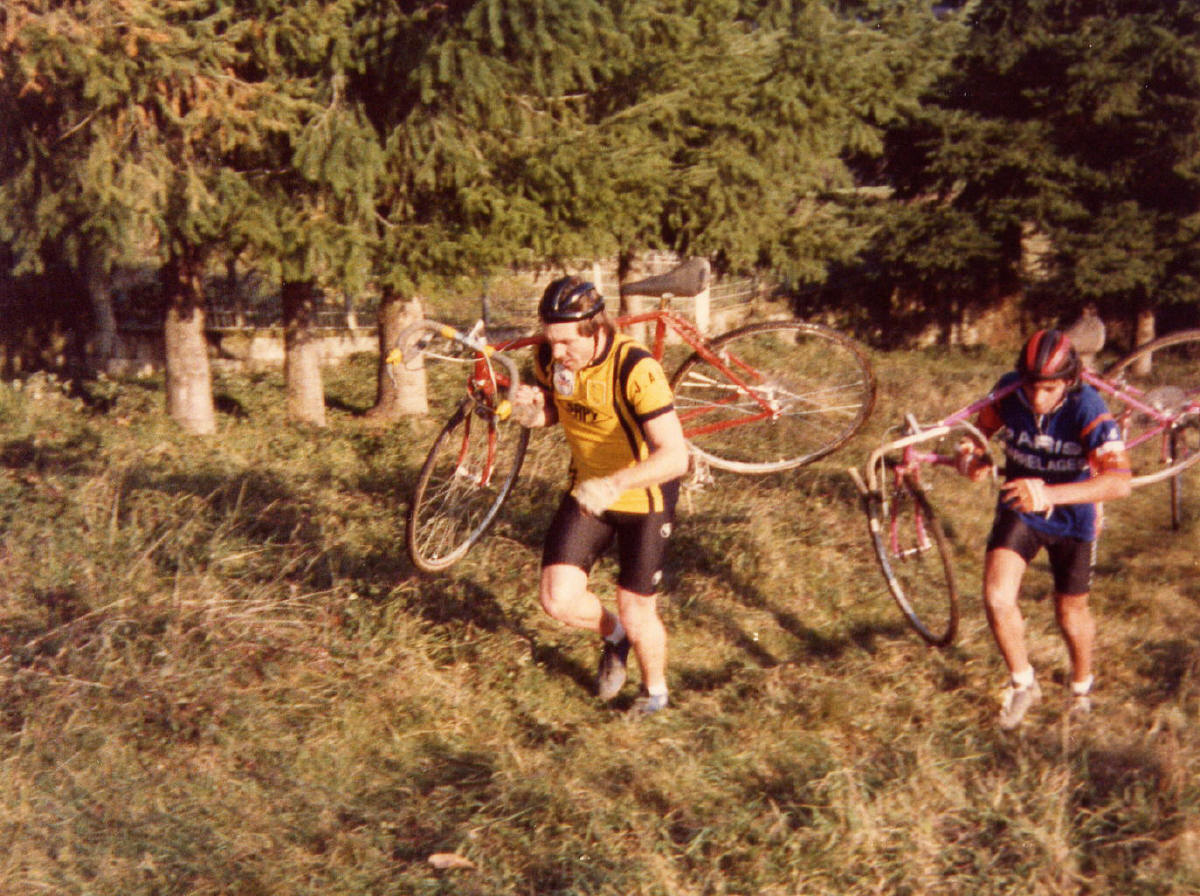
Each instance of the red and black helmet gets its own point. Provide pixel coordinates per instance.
(1048, 355)
(570, 299)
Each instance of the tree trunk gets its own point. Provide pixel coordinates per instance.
(302, 354)
(625, 260)
(188, 375)
(106, 341)
(1143, 333)
(400, 389)
(233, 295)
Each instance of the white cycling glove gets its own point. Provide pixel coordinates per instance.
(527, 414)
(969, 461)
(597, 495)
(1033, 491)
(1037, 496)
(529, 406)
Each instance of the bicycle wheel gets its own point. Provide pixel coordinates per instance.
(1165, 375)
(804, 390)
(915, 558)
(466, 478)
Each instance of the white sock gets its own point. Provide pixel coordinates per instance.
(1082, 688)
(617, 635)
(1024, 678)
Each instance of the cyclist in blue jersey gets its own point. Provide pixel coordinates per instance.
(1063, 456)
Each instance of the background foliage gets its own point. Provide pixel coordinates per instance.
(399, 147)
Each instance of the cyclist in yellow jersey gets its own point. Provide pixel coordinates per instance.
(627, 453)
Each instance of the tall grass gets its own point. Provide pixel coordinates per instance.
(219, 674)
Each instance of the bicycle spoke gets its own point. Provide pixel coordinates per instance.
(466, 478)
(780, 394)
(916, 559)
(698, 390)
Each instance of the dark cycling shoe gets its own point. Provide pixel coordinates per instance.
(611, 676)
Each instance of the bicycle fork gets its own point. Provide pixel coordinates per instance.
(922, 541)
(480, 478)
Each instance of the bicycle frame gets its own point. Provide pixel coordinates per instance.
(1134, 398)
(912, 458)
(739, 373)
(1131, 396)
(803, 388)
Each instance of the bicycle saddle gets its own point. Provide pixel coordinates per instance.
(686, 279)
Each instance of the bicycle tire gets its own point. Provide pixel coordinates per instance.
(460, 490)
(819, 383)
(1173, 381)
(918, 567)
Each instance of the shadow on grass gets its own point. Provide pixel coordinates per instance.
(259, 514)
(335, 403)
(262, 506)
(230, 406)
(453, 603)
(74, 453)
(1167, 667)
(747, 592)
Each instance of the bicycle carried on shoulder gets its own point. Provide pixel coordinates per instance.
(1153, 393)
(762, 398)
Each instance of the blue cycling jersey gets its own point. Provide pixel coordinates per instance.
(1056, 447)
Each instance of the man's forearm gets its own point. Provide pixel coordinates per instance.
(1107, 486)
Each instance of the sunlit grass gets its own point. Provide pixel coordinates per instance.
(220, 674)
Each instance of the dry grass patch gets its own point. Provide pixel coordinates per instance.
(219, 674)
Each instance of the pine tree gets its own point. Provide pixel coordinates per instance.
(459, 94)
(128, 121)
(311, 225)
(1076, 120)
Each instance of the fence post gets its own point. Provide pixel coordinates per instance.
(703, 310)
(635, 304)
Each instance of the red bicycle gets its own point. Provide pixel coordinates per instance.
(762, 398)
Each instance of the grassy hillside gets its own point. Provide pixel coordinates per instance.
(219, 674)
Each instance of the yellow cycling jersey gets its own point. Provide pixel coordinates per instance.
(603, 409)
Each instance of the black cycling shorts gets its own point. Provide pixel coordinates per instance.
(1071, 559)
(577, 538)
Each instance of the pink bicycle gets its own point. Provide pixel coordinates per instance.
(1154, 393)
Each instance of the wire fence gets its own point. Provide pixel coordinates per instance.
(728, 300)
(508, 309)
(271, 317)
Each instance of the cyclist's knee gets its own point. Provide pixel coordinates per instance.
(999, 596)
(637, 611)
(1003, 571)
(1070, 606)
(555, 602)
(560, 590)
